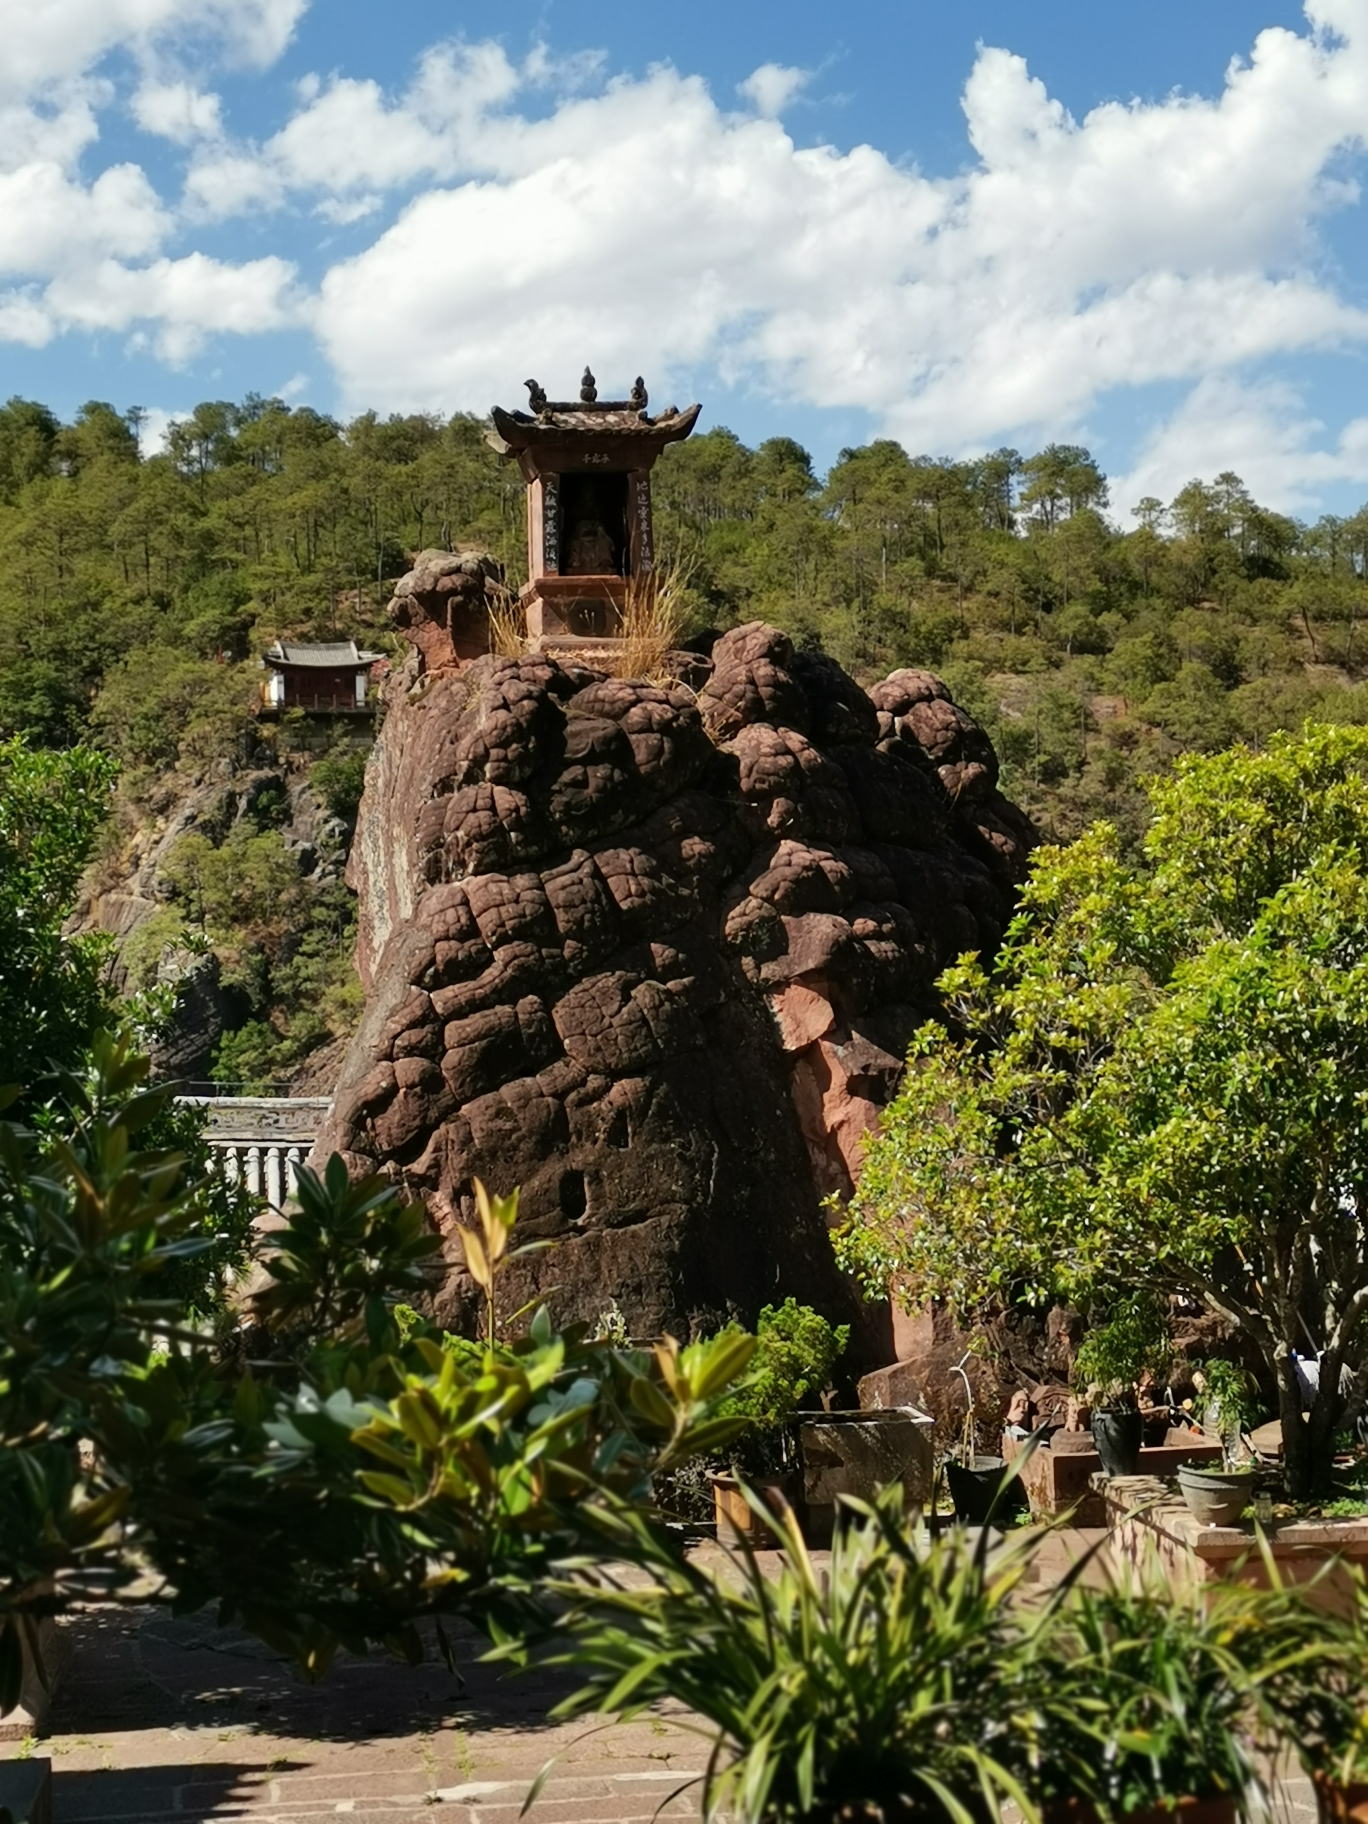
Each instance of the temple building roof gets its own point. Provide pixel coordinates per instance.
(569, 421)
(332, 654)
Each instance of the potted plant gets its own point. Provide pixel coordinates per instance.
(1311, 1682)
(1218, 1496)
(1150, 1712)
(1132, 1341)
(796, 1350)
(979, 1485)
(1226, 1403)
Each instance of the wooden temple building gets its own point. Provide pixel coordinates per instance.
(587, 464)
(327, 679)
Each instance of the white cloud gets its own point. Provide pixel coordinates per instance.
(344, 210)
(48, 223)
(772, 87)
(50, 41)
(91, 255)
(231, 183)
(645, 227)
(187, 299)
(350, 140)
(155, 435)
(23, 319)
(1261, 431)
(56, 134)
(177, 111)
(171, 306)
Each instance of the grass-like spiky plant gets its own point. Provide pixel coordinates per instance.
(652, 619)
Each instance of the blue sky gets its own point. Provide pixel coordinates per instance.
(1138, 228)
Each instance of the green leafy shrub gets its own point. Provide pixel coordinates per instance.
(339, 778)
(53, 991)
(1229, 1397)
(158, 709)
(1127, 1341)
(796, 1350)
(1150, 1694)
(321, 1476)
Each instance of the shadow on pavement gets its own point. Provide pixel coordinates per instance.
(147, 1795)
(142, 1668)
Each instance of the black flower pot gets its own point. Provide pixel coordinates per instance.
(978, 1492)
(1118, 1432)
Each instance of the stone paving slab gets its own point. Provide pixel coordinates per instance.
(159, 1719)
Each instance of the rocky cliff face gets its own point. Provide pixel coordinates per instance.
(655, 955)
(131, 887)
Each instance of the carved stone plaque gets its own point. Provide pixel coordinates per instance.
(641, 512)
(551, 524)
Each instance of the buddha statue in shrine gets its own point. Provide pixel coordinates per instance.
(589, 550)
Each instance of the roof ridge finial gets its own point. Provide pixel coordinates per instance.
(536, 395)
(588, 388)
(638, 394)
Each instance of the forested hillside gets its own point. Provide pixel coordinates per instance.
(1094, 637)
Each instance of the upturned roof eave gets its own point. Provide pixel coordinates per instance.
(519, 431)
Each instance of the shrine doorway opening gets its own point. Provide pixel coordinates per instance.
(594, 515)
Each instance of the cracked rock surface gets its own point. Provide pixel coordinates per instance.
(655, 956)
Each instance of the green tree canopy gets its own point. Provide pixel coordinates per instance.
(52, 994)
(125, 573)
(1164, 1083)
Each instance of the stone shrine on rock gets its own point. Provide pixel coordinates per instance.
(587, 464)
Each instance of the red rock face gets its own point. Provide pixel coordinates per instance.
(656, 957)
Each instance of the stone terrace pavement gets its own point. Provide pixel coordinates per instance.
(158, 1719)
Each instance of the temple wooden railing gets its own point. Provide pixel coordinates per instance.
(261, 1141)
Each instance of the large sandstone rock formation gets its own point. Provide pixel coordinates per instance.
(655, 956)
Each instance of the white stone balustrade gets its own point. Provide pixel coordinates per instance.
(262, 1140)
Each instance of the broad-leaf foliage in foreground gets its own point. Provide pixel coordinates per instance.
(324, 1473)
(1164, 1082)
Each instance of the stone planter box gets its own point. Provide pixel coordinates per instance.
(1057, 1480)
(858, 1453)
(26, 1791)
(1164, 1528)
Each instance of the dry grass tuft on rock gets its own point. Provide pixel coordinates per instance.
(652, 619)
(507, 622)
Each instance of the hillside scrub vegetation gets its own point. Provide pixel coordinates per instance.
(53, 990)
(1095, 639)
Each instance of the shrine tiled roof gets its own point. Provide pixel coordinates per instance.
(551, 420)
(330, 654)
